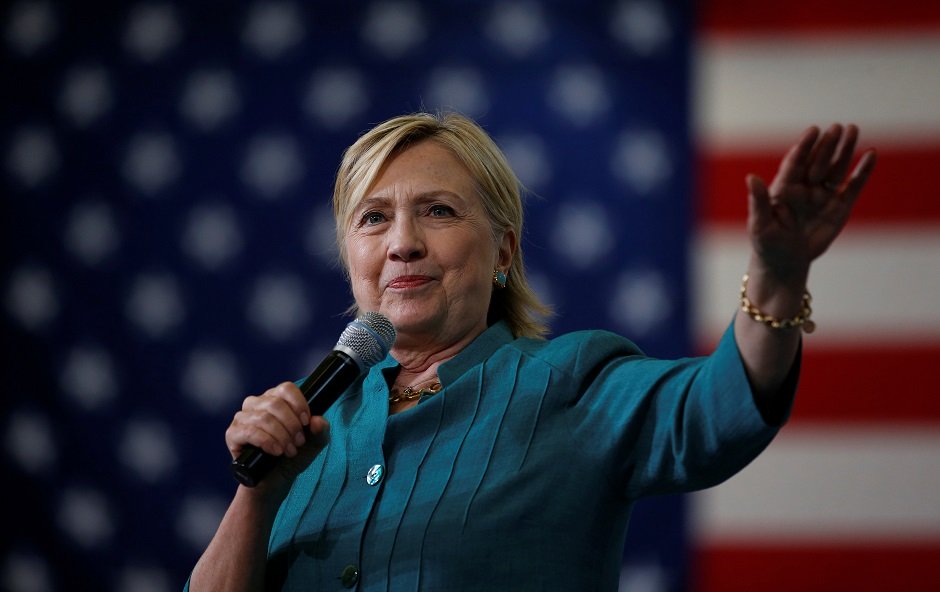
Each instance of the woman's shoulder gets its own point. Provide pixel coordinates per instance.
(586, 343)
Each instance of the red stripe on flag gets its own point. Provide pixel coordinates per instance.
(896, 192)
(731, 16)
(869, 385)
(812, 567)
(866, 385)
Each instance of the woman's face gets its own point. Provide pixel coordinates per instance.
(420, 248)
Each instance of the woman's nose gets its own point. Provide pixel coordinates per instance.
(406, 240)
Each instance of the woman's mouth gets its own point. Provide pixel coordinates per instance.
(403, 282)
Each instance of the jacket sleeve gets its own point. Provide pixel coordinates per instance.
(666, 426)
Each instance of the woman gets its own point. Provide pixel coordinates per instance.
(478, 455)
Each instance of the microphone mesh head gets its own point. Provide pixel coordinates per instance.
(367, 339)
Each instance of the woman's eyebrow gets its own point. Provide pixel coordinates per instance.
(372, 201)
(422, 197)
(435, 194)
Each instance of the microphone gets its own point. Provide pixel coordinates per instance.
(363, 343)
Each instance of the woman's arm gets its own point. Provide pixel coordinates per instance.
(790, 224)
(236, 558)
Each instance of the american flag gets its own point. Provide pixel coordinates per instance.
(848, 496)
(167, 250)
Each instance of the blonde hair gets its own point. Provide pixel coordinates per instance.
(497, 185)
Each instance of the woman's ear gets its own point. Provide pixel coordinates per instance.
(507, 249)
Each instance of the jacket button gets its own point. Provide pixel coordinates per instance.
(349, 577)
(375, 474)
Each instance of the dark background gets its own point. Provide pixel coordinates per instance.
(167, 241)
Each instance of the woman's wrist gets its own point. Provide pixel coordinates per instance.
(263, 499)
(801, 319)
(777, 293)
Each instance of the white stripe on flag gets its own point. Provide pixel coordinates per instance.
(875, 285)
(762, 91)
(820, 484)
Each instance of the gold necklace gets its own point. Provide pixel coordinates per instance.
(410, 393)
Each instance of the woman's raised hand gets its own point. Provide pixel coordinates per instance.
(794, 221)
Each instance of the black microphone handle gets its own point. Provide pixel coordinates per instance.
(324, 385)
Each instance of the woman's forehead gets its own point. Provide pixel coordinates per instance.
(421, 168)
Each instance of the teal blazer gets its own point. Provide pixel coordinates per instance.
(520, 474)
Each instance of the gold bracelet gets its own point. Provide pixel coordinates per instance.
(800, 320)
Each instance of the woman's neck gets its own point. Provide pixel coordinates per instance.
(419, 355)
(418, 369)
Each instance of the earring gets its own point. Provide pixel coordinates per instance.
(499, 278)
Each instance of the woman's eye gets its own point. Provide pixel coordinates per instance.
(372, 218)
(440, 210)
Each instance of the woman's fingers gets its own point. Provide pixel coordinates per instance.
(810, 199)
(820, 160)
(860, 176)
(290, 394)
(247, 429)
(283, 408)
(842, 158)
(274, 422)
(793, 166)
(759, 208)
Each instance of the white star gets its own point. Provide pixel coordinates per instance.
(518, 27)
(152, 31)
(29, 441)
(91, 232)
(644, 577)
(31, 297)
(272, 165)
(579, 93)
(86, 517)
(641, 25)
(272, 28)
(30, 26)
(211, 379)
(155, 305)
(320, 239)
(151, 162)
(542, 285)
(32, 157)
(212, 236)
(146, 448)
(582, 233)
(641, 160)
(88, 376)
(198, 518)
(26, 573)
(335, 97)
(86, 95)
(641, 302)
(394, 28)
(528, 158)
(315, 355)
(279, 306)
(457, 89)
(209, 98)
(145, 579)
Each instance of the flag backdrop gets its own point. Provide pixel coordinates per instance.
(848, 497)
(167, 249)
(167, 237)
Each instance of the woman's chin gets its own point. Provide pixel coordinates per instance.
(408, 325)
(410, 319)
